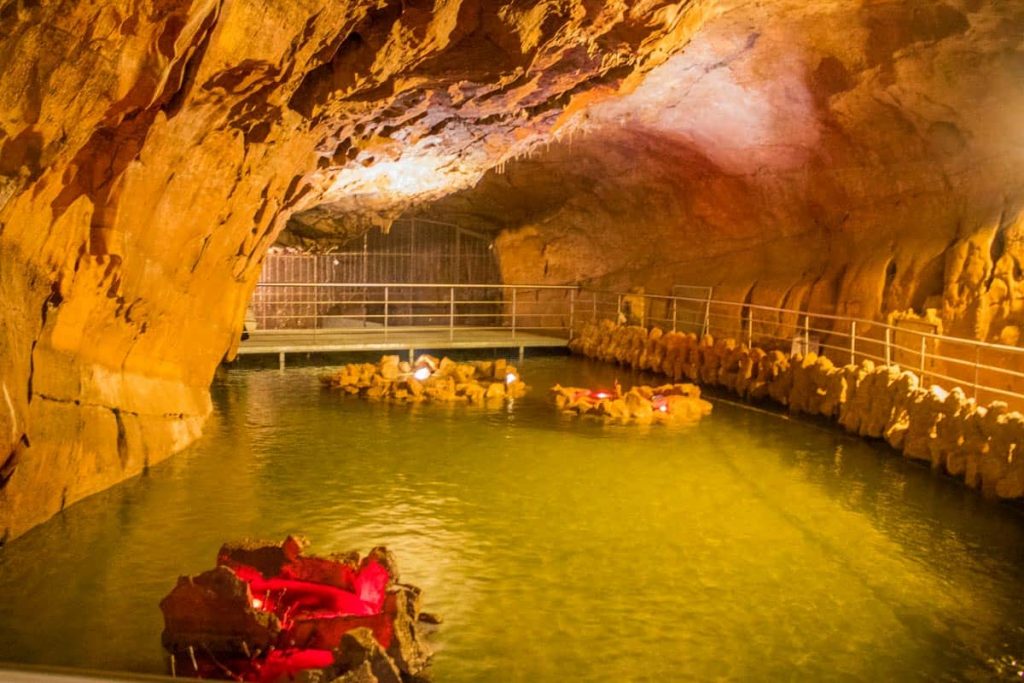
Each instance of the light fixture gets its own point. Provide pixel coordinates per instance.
(257, 603)
(422, 374)
(510, 377)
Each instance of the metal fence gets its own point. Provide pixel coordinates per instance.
(983, 370)
(413, 250)
(374, 307)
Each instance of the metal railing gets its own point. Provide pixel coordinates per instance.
(983, 370)
(383, 307)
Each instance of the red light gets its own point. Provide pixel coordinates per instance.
(601, 394)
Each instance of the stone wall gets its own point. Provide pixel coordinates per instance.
(945, 428)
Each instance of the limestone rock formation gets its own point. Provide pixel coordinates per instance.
(430, 379)
(151, 152)
(641, 405)
(945, 428)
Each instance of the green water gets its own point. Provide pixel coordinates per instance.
(749, 547)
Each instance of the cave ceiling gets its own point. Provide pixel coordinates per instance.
(773, 116)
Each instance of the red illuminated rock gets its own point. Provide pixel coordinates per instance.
(252, 618)
(214, 612)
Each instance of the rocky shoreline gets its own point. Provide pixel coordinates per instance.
(977, 443)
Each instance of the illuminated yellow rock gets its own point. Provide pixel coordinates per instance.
(444, 381)
(947, 429)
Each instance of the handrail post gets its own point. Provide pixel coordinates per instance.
(924, 350)
(514, 290)
(572, 311)
(853, 342)
(451, 313)
(593, 315)
(750, 329)
(977, 353)
(618, 310)
(643, 312)
(807, 334)
(888, 344)
(675, 312)
(387, 303)
(707, 315)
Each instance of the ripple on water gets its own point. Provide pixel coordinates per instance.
(745, 547)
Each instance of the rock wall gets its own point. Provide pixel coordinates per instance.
(945, 428)
(856, 157)
(151, 151)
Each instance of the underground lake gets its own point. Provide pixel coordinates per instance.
(748, 546)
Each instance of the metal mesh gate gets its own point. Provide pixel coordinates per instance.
(413, 251)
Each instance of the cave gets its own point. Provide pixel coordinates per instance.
(814, 212)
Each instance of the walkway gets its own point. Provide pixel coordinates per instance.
(395, 339)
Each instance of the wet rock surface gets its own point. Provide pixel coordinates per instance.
(430, 379)
(268, 613)
(951, 431)
(665, 404)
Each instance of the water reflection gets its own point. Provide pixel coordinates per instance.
(747, 546)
